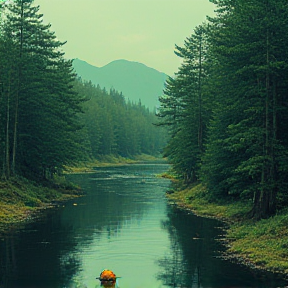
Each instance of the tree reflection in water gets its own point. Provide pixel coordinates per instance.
(9, 265)
(175, 273)
(22, 265)
(195, 262)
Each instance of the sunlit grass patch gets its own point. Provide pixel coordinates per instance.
(20, 197)
(196, 198)
(146, 157)
(11, 213)
(265, 251)
(168, 175)
(264, 243)
(108, 160)
(102, 161)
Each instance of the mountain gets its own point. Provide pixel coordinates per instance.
(135, 80)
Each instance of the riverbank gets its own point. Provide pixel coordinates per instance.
(261, 245)
(21, 200)
(108, 160)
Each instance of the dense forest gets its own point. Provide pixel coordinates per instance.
(116, 126)
(49, 118)
(226, 108)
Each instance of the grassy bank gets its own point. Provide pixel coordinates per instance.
(261, 245)
(21, 200)
(108, 160)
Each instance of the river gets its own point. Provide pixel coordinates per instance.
(123, 223)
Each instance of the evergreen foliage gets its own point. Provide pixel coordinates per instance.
(184, 107)
(116, 127)
(40, 108)
(50, 119)
(244, 88)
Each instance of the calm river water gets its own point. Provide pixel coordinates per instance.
(125, 224)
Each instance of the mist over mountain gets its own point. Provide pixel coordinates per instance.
(135, 80)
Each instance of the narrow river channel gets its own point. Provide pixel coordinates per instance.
(125, 224)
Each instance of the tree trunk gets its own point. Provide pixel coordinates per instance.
(265, 199)
(200, 128)
(17, 92)
(7, 150)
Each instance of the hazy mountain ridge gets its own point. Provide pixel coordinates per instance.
(135, 80)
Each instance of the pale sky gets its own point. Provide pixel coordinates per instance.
(146, 31)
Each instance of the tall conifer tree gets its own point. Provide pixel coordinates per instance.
(245, 38)
(183, 109)
(43, 106)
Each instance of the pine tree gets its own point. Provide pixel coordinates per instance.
(43, 106)
(8, 71)
(117, 127)
(182, 107)
(245, 38)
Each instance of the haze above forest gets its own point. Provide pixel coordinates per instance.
(145, 31)
(135, 80)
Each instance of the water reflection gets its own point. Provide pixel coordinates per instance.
(31, 259)
(72, 243)
(192, 241)
(125, 224)
(196, 258)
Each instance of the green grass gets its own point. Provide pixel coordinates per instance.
(260, 244)
(195, 198)
(20, 198)
(264, 243)
(106, 161)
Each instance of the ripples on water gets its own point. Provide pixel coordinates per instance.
(125, 224)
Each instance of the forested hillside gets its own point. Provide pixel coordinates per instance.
(227, 107)
(135, 80)
(49, 118)
(115, 126)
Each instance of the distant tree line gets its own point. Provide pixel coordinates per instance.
(48, 117)
(227, 106)
(116, 127)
